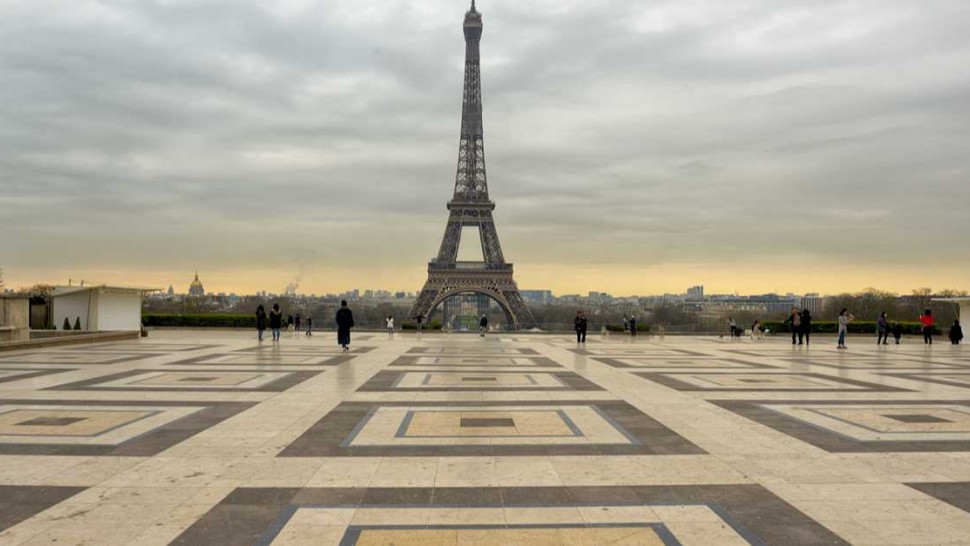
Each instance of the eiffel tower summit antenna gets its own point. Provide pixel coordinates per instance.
(471, 207)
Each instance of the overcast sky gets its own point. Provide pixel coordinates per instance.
(632, 147)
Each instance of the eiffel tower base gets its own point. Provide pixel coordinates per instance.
(494, 282)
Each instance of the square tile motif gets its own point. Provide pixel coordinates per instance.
(674, 363)
(474, 380)
(484, 362)
(953, 493)
(73, 358)
(762, 382)
(68, 424)
(634, 350)
(561, 516)
(494, 428)
(851, 426)
(873, 364)
(265, 360)
(459, 351)
(192, 380)
(284, 348)
(36, 427)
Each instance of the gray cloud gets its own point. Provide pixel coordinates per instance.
(181, 134)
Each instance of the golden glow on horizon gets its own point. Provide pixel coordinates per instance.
(618, 280)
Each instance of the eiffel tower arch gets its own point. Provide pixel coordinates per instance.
(471, 207)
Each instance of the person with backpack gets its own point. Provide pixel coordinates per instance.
(276, 321)
(882, 329)
(345, 321)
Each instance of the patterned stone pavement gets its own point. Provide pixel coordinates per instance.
(210, 438)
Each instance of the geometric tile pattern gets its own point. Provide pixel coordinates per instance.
(581, 516)
(457, 381)
(865, 426)
(192, 380)
(104, 428)
(720, 381)
(397, 429)
(206, 437)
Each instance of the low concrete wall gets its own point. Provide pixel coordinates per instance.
(14, 319)
(70, 339)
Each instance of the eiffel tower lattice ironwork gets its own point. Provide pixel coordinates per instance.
(471, 206)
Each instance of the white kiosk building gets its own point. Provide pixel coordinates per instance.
(99, 307)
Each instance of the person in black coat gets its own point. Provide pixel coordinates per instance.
(345, 321)
(260, 322)
(956, 333)
(276, 321)
(805, 327)
(483, 326)
(581, 325)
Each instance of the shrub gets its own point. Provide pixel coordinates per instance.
(201, 321)
(67, 324)
(433, 325)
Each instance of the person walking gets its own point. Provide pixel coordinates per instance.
(795, 319)
(897, 330)
(956, 333)
(276, 321)
(844, 319)
(756, 330)
(734, 327)
(806, 327)
(309, 326)
(260, 322)
(926, 319)
(297, 322)
(483, 326)
(882, 328)
(633, 326)
(289, 323)
(389, 323)
(626, 324)
(345, 321)
(419, 319)
(580, 324)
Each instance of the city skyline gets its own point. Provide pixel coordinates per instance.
(750, 146)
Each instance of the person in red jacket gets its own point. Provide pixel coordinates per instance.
(926, 319)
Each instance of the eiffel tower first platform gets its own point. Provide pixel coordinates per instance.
(471, 207)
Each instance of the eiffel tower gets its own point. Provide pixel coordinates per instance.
(471, 207)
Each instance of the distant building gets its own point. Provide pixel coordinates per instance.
(171, 291)
(695, 293)
(813, 302)
(537, 296)
(196, 288)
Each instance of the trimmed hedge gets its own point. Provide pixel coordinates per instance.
(201, 321)
(855, 327)
(619, 328)
(433, 325)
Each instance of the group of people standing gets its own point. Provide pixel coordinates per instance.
(801, 325)
(275, 322)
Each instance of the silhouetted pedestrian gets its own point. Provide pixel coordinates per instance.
(882, 329)
(633, 326)
(345, 321)
(956, 333)
(897, 330)
(389, 324)
(580, 324)
(795, 319)
(309, 326)
(483, 326)
(297, 322)
(806, 327)
(276, 321)
(260, 322)
(926, 319)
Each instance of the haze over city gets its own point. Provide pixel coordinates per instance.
(634, 148)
